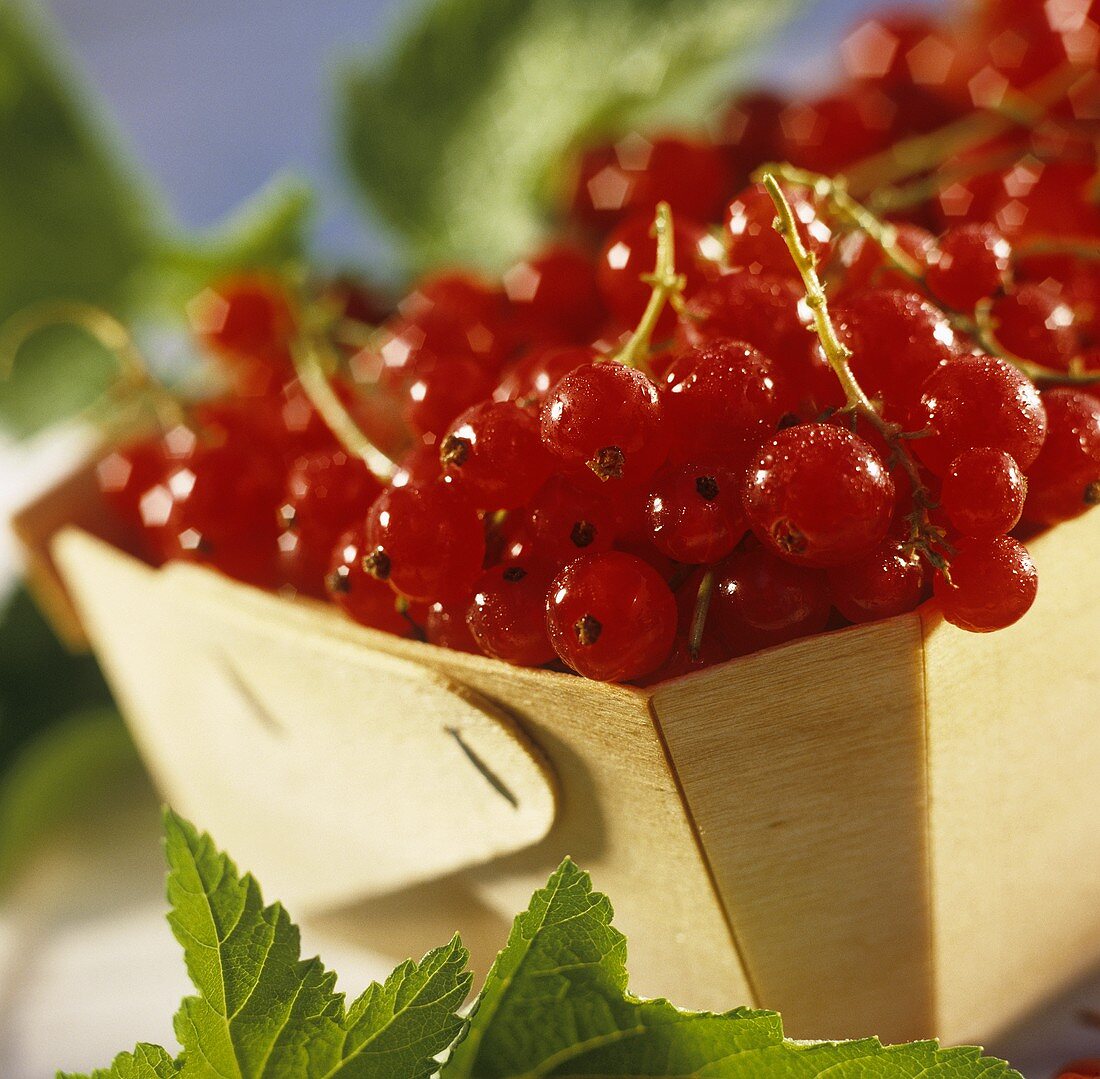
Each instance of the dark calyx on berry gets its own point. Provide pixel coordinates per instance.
(582, 534)
(608, 463)
(587, 629)
(454, 450)
(377, 564)
(708, 488)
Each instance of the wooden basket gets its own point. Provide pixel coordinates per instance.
(890, 829)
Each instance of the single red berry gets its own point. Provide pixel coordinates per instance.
(554, 296)
(441, 390)
(564, 520)
(967, 264)
(993, 584)
(244, 318)
(363, 598)
(1035, 323)
(630, 253)
(887, 582)
(608, 417)
(897, 339)
(531, 378)
(428, 542)
(864, 265)
(983, 492)
(636, 173)
(695, 514)
(1064, 480)
(508, 614)
(829, 133)
(979, 401)
(419, 467)
(445, 626)
(325, 494)
(819, 495)
(454, 311)
(494, 454)
(611, 617)
(721, 401)
(755, 246)
(760, 600)
(750, 134)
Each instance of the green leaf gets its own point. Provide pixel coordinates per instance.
(57, 776)
(145, 1062)
(80, 221)
(455, 134)
(556, 1004)
(264, 1011)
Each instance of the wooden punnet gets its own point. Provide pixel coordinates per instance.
(889, 829)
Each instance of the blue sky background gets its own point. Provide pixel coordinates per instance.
(216, 96)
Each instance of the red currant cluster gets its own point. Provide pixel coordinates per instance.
(656, 444)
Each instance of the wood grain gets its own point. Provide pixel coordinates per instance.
(803, 768)
(1014, 774)
(293, 760)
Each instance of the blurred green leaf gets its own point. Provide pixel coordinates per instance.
(454, 135)
(78, 220)
(59, 775)
(39, 681)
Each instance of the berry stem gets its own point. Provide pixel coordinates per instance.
(983, 329)
(134, 375)
(833, 190)
(699, 615)
(314, 359)
(980, 327)
(924, 535)
(667, 287)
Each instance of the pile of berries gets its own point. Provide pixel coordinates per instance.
(679, 433)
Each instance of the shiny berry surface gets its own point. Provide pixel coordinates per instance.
(630, 252)
(554, 296)
(218, 506)
(324, 494)
(427, 542)
(760, 600)
(507, 616)
(887, 582)
(819, 495)
(755, 246)
(609, 418)
(1034, 322)
(721, 401)
(530, 379)
(494, 454)
(983, 492)
(979, 401)
(611, 617)
(244, 318)
(1064, 480)
(897, 340)
(445, 626)
(967, 264)
(565, 519)
(993, 584)
(363, 598)
(695, 514)
(441, 390)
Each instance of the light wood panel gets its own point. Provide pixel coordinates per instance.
(285, 729)
(804, 770)
(1014, 767)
